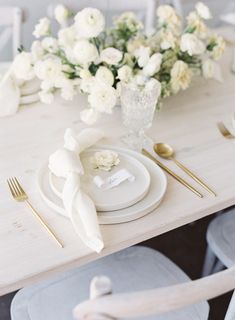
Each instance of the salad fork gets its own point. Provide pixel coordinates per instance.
(224, 131)
(19, 194)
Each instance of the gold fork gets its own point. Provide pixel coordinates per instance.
(224, 131)
(19, 194)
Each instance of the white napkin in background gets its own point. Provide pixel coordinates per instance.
(80, 208)
(14, 92)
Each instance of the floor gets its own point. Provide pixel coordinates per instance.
(186, 247)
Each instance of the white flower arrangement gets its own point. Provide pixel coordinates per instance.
(88, 58)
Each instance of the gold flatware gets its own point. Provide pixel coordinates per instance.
(174, 175)
(19, 194)
(224, 131)
(167, 152)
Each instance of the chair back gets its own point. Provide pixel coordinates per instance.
(145, 9)
(105, 306)
(10, 24)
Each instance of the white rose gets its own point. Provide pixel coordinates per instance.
(67, 37)
(191, 44)
(89, 23)
(211, 70)
(111, 56)
(23, 66)
(167, 15)
(203, 11)
(61, 14)
(180, 76)
(85, 52)
(48, 69)
(124, 73)
(142, 54)
(89, 116)
(42, 28)
(37, 50)
(105, 75)
(46, 97)
(153, 65)
(50, 44)
(103, 97)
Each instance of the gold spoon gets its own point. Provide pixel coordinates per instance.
(167, 152)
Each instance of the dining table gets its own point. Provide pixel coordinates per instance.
(187, 121)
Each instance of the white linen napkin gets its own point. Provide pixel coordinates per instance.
(80, 208)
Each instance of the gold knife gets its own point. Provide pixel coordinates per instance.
(174, 175)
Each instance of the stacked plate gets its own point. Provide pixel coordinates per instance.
(126, 202)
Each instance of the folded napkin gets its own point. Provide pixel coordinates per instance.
(65, 163)
(14, 92)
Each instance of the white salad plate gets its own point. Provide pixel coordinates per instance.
(150, 200)
(124, 195)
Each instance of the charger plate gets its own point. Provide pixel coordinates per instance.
(150, 201)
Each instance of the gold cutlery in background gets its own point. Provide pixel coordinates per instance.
(224, 131)
(165, 151)
(19, 194)
(174, 175)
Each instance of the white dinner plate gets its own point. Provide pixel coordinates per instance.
(150, 202)
(122, 196)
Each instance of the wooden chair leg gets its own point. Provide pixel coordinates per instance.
(209, 262)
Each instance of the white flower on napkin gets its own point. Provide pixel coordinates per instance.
(105, 160)
(79, 207)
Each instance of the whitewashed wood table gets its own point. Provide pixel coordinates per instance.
(187, 122)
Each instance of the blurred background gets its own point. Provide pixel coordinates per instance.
(34, 10)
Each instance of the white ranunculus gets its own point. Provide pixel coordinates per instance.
(68, 92)
(111, 56)
(153, 65)
(102, 98)
(203, 11)
(67, 37)
(154, 84)
(168, 40)
(42, 28)
(85, 52)
(167, 15)
(37, 50)
(87, 84)
(61, 14)
(89, 116)
(105, 160)
(124, 73)
(48, 69)
(211, 70)
(219, 48)
(142, 55)
(180, 76)
(191, 44)
(50, 44)
(89, 23)
(46, 97)
(195, 22)
(85, 73)
(23, 66)
(105, 75)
